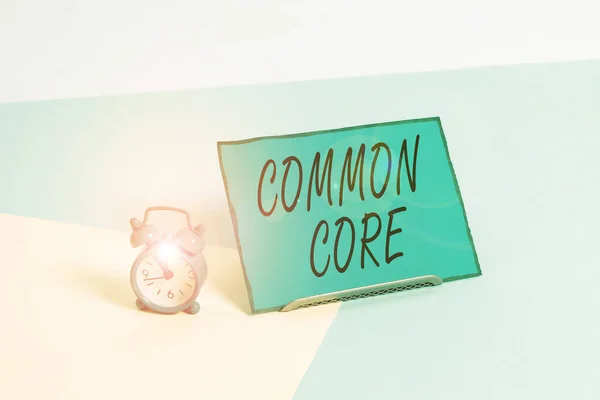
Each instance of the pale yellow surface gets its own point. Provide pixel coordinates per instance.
(70, 328)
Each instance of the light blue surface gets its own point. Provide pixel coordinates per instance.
(526, 142)
(290, 254)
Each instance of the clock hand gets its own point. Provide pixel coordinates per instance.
(151, 279)
(167, 273)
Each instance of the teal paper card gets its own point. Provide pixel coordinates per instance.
(320, 212)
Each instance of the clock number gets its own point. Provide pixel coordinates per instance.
(191, 274)
(145, 273)
(170, 295)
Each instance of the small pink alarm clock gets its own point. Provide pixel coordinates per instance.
(167, 275)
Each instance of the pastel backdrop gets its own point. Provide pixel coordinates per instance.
(522, 140)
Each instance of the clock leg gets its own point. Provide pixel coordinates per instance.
(139, 304)
(193, 309)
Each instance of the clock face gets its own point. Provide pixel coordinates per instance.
(165, 278)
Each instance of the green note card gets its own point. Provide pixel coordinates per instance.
(320, 212)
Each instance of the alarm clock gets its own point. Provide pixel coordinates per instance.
(170, 270)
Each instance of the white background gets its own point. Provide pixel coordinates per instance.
(69, 48)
